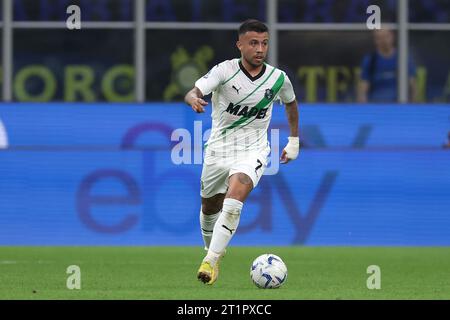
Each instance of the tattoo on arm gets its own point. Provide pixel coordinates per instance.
(292, 116)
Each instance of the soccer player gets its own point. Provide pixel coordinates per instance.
(236, 153)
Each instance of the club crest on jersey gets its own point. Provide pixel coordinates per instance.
(268, 94)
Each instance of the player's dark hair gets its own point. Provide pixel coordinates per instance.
(252, 25)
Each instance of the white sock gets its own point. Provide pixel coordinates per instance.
(224, 229)
(207, 222)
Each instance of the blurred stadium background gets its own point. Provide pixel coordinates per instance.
(87, 118)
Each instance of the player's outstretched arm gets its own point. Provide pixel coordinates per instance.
(194, 99)
(290, 152)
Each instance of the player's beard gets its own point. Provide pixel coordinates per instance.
(254, 62)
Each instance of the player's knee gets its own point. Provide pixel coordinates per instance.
(237, 194)
(212, 205)
(210, 209)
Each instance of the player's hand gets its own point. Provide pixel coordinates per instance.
(290, 152)
(198, 104)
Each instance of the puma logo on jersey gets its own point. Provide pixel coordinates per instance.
(237, 90)
(244, 111)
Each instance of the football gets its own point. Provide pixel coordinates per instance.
(268, 271)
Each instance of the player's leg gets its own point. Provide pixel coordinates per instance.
(209, 213)
(243, 177)
(240, 186)
(213, 188)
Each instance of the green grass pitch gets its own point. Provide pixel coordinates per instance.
(170, 273)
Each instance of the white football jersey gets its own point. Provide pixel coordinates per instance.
(242, 106)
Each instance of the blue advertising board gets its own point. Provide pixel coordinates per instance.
(104, 174)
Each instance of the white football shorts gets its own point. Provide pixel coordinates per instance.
(216, 172)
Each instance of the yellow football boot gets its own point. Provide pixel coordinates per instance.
(207, 273)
